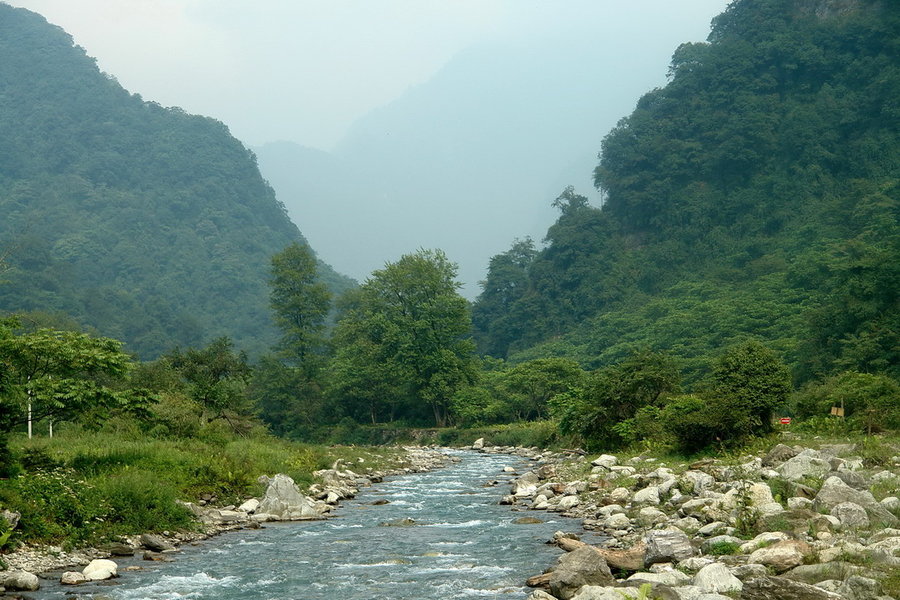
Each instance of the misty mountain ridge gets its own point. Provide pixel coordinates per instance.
(144, 223)
(467, 161)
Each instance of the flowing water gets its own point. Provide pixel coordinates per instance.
(463, 545)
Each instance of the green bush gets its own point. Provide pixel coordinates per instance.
(141, 501)
(869, 401)
(56, 506)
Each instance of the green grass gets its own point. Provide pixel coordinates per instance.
(84, 487)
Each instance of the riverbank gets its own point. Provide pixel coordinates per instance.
(793, 521)
(282, 501)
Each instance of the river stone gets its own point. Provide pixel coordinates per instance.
(648, 495)
(772, 588)
(667, 545)
(834, 491)
(671, 578)
(100, 569)
(777, 455)
(717, 578)
(284, 501)
(815, 573)
(605, 460)
(629, 560)
(540, 595)
(851, 515)
(568, 503)
(527, 521)
(620, 495)
(151, 541)
(597, 592)
(250, 506)
(19, 581)
(526, 485)
(696, 481)
(782, 556)
(72, 578)
(617, 521)
(805, 464)
(860, 588)
(479, 444)
(582, 566)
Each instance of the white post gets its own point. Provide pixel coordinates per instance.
(51, 427)
(29, 419)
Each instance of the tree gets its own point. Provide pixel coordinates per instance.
(217, 379)
(60, 375)
(301, 304)
(751, 380)
(408, 329)
(602, 411)
(532, 384)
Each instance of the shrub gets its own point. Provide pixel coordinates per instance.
(140, 501)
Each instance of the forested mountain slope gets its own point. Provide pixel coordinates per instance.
(755, 195)
(151, 225)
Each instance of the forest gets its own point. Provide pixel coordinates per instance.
(744, 265)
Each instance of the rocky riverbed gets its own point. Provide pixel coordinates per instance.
(796, 523)
(283, 501)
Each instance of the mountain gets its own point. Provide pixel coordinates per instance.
(146, 223)
(468, 160)
(756, 195)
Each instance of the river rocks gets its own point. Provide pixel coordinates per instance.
(73, 578)
(851, 515)
(479, 444)
(781, 556)
(834, 491)
(717, 578)
(648, 495)
(250, 506)
(808, 463)
(157, 543)
(580, 567)
(284, 501)
(667, 545)
(100, 569)
(527, 521)
(772, 588)
(19, 581)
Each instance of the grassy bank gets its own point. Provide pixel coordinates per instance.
(84, 488)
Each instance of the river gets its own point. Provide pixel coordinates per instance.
(464, 545)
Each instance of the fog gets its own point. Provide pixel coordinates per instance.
(400, 124)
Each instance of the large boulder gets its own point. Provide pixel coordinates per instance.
(806, 464)
(157, 543)
(834, 491)
(73, 578)
(851, 515)
(526, 485)
(781, 556)
(19, 581)
(772, 588)
(100, 569)
(284, 501)
(583, 566)
(717, 578)
(667, 545)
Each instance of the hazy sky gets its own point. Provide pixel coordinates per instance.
(304, 70)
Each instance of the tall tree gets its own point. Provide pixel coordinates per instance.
(411, 327)
(300, 303)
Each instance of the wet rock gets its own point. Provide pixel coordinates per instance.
(156, 556)
(526, 521)
(404, 522)
(117, 549)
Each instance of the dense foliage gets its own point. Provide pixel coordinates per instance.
(148, 224)
(754, 196)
